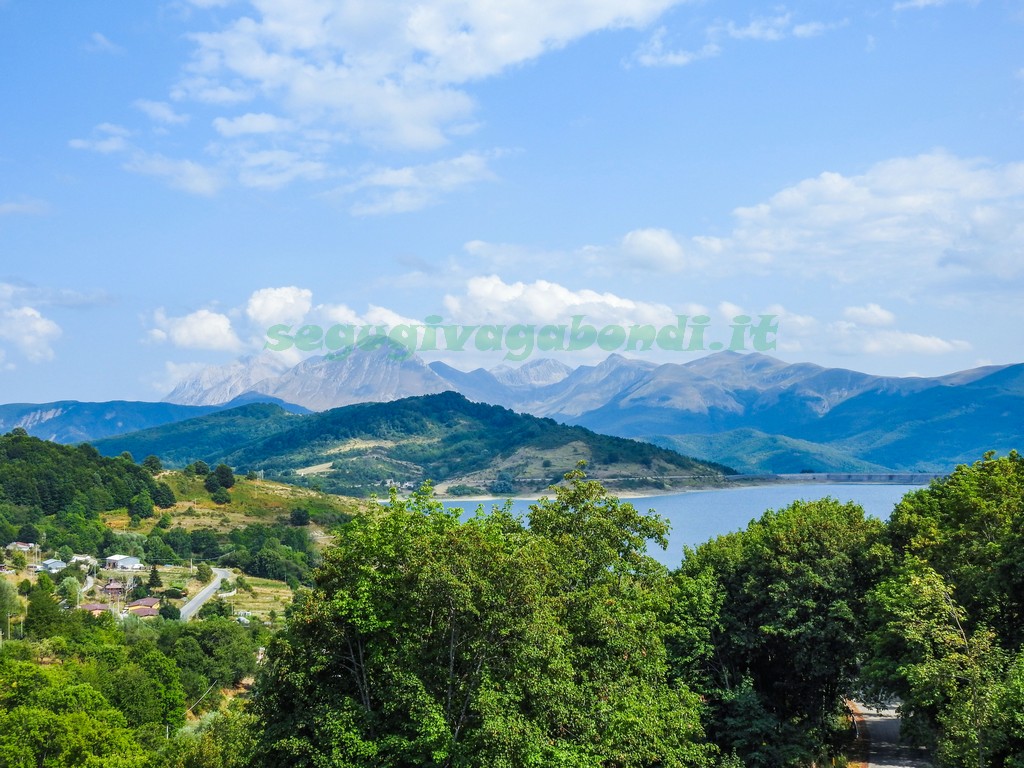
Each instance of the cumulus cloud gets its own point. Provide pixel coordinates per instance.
(489, 299)
(270, 306)
(392, 74)
(28, 331)
(655, 249)
(917, 220)
(201, 329)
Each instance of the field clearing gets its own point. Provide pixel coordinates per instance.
(268, 595)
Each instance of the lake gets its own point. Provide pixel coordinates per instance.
(696, 516)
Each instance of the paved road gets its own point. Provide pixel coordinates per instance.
(193, 605)
(884, 735)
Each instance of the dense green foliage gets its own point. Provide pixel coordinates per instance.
(948, 632)
(91, 692)
(427, 641)
(57, 492)
(780, 621)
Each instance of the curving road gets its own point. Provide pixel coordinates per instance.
(192, 606)
(884, 737)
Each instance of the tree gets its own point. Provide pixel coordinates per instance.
(299, 517)
(170, 611)
(204, 573)
(200, 468)
(10, 604)
(19, 561)
(429, 641)
(211, 483)
(152, 464)
(155, 582)
(163, 496)
(790, 587)
(141, 505)
(225, 476)
(220, 496)
(44, 617)
(69, 590)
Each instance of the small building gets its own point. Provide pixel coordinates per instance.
(145, 602)
(21, 546)
(143, 612)
(53, 565)
(123, 563)
(113, 588)
(88, 561)
(96, 609)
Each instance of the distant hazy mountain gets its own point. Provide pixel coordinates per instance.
(218, 384)
(70, 421)
(444, 438)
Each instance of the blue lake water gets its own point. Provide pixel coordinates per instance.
(697, 516)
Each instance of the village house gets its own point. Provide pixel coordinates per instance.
(123, 563)
(52, 565)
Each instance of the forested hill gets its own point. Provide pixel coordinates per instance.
(40, 479)
(444, 438)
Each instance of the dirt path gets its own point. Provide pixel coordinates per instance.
(883, 734)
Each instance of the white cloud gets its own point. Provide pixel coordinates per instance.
(106, 139)
(186, 175)
(919, 4)
(654, 249)
(489, 299)
(270, 306)
(871, 314)
(398, 190)
(916, 220)
(781, 26)
(99, 43)
(202, 329)
(653, 53)
(391, 73)
(160, 112)
(274, 168)
(769, 28)
(845, 337)
(901, 342)
(29, 331)
(250, 123)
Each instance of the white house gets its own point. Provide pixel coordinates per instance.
(53, 565)
(123, 563)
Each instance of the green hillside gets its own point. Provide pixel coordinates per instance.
(753, 452)
(462, 446)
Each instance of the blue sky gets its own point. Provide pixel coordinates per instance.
(176, 177)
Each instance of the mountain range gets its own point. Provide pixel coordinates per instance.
(749, 411)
